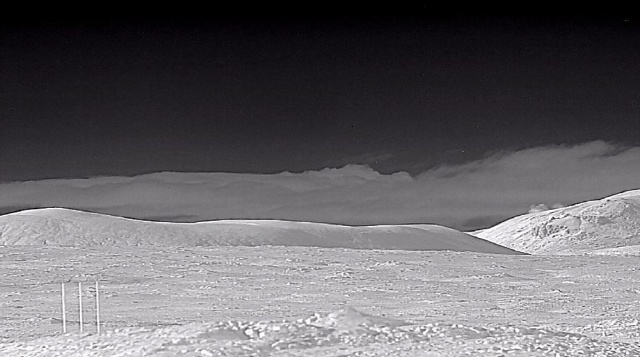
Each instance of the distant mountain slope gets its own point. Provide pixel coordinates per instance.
(607, 226)
(64, 227)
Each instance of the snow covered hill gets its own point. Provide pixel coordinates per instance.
(607, 226)
(64, 227)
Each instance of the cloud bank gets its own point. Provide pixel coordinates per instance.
(468, 196)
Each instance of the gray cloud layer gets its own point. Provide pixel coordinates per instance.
(465, 196)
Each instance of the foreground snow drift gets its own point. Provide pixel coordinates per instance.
(241, 300)
(63, 227)
(610, 226)
(346, 332)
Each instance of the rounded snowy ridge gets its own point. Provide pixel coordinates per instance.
(65, 227)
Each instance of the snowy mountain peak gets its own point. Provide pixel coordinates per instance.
(633, 194)
(607, 226)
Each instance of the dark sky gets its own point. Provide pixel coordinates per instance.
(261, 94)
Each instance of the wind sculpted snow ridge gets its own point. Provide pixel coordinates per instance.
(610, 226)
(64, 227)
(346, 332)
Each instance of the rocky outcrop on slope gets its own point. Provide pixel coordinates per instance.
(607, 226)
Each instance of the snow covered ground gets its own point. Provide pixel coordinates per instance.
(304, 301)
(608, 226)
(278, 288)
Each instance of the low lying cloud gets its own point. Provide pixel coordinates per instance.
(468, 196)
(541, 207)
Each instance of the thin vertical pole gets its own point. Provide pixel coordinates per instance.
(64, 312)
(97, 308)
(80, 303)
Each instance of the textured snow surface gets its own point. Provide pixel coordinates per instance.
(346, 332)
(305, 301)
(276, 288)
(64, 227)
(607, 226)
